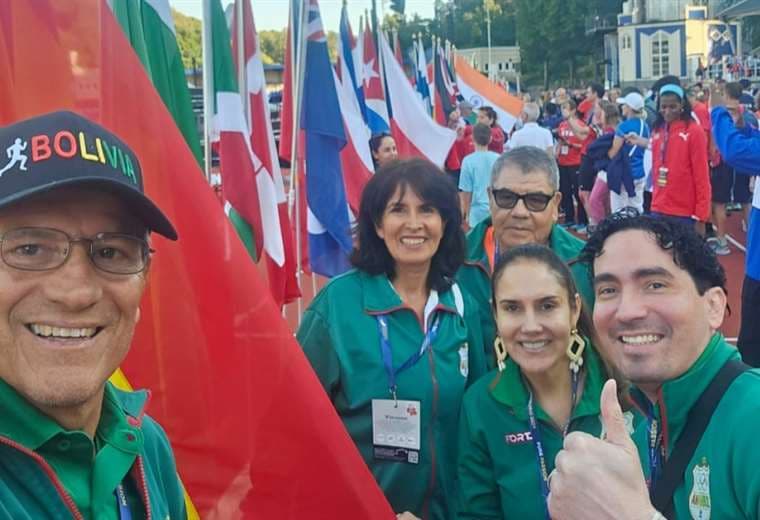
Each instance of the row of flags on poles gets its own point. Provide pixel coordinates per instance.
(253, 432)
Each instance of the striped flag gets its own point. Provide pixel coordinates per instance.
(238, 165)
(278, 237)
(149, 27)
(415, 132)
(377, 110)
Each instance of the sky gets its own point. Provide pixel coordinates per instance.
(273, 14)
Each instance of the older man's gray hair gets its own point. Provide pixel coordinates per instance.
(531, 112)
(527, 159)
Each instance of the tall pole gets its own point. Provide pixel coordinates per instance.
(298, 47)
(208, 87)
(242, 77)
(488, 26)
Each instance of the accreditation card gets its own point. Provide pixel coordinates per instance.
(396, 430)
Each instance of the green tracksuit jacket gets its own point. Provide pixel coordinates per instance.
(341, 339)
(45, 471)
(722, 479)
(498, 465)
(475, 275)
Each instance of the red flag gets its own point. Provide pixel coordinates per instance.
(254, 434)
(278, 237)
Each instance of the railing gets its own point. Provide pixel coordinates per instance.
(601, 23)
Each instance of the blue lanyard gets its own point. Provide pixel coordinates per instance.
(121, 500)
(655, 451)
(535, 433)
(387, 354)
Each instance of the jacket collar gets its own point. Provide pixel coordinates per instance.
(379, 297)
(510, 389)
(25, 424)
(562, 242)
(676, 397)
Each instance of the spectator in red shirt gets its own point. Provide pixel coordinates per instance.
(488, 117)
(568, 151)
(679, 161)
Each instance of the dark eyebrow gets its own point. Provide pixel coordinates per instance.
(638, 274)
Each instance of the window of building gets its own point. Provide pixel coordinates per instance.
(660, 54)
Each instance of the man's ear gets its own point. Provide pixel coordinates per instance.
(715, 301)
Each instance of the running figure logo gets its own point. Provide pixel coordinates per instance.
(14, 154)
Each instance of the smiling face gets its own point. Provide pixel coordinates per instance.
(64, 331)
(648, 312)
(411, 229)
(671, 107)
(518, 226)
(534, 317)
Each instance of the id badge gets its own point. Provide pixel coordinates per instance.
(396, 430)
(662, 177)
(564, 149)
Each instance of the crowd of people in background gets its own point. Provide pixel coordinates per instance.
(506, 339)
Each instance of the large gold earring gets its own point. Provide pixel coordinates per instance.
(575, 350)
(501, 353)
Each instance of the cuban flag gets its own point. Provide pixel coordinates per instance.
(377, 110)
(348, 51)
(421, 77)
(327, 210)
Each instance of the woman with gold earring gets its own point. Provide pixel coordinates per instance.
(548, 382)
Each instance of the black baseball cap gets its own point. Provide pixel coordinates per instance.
(62, 149)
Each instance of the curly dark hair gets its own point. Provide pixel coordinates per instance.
(685, 113)
(690, 251)
(430, 184)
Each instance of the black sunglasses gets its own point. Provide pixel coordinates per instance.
(507, 199)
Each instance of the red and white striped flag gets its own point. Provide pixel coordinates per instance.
(275, 225)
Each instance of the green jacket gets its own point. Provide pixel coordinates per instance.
(340, 337)
(475, 275)
(727, 458)
(41, 463)
(498, 465)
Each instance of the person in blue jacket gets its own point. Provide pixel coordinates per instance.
(740, 147)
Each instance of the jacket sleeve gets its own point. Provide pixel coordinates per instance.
(315, 339)
(478, 493)
(699, 169)
(739, 149)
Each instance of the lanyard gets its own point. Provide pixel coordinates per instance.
(656, 451)
(535, 433)
(121, 500)
(386, 351)
(664, 144)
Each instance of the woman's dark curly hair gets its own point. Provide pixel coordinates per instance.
(690, 251)
(431, 185)
(685, 112)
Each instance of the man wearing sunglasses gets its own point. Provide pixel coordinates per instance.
(74, 231)
(524, 203)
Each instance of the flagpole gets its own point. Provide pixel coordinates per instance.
(241, 72)
(208, 87)
(295, 189)
(488, 25)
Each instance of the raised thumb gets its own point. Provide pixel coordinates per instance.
(612, 415)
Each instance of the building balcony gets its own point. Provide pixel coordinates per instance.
(601, 24)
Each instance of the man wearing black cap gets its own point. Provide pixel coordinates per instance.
(74, 229)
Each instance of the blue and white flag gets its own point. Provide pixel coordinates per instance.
(327, 217)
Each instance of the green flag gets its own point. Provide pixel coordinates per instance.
(149, 27)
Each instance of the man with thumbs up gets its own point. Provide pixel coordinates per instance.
(660, 299)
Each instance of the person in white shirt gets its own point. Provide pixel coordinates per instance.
(531, 134)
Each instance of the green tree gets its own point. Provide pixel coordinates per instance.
(188, 38)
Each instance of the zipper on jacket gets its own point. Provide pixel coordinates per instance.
(142, 484)
(50, 473)
(431, 437)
